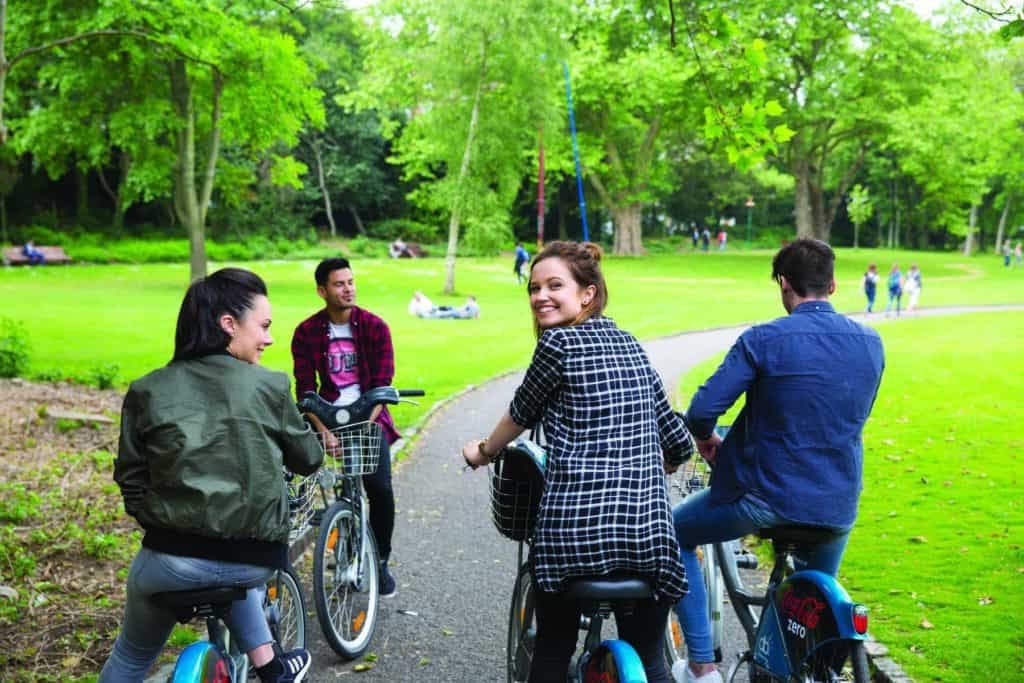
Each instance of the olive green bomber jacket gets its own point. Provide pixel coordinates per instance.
(202, 445)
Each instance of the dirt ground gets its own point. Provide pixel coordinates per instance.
(65, 542)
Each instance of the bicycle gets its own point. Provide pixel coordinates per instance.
(346, 589)
(804, 627)
(516, 484)
(218, 659)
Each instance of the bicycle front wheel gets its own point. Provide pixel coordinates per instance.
(285, 606)
(522, 627)
(346, 586)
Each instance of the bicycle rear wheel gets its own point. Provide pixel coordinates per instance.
(675, 646)
(285, 606)
(844, 660)
(522, 627)
(346, 586)
(614, 660)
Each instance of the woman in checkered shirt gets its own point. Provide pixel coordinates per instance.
(611, 434)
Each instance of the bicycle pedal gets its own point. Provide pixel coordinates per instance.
(316, 517)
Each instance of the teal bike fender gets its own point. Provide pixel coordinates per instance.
(627, 661)
(198, 663)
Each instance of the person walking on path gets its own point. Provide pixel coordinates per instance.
(611, 436)
(1007, 252)
(202, 444)
(723, 237)
(340, 352)
(695, 235)
(1018, 254)
(794, 454)
(705, 239)
(895, 286)
(912, 286)
(521, 259)
(871, 279)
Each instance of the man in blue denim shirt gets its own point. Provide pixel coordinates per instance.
(794, 454)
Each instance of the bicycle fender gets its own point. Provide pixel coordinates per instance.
(614, 661)
(198, 663)
(808, 610)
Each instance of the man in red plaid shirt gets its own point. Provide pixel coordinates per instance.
(339, 352)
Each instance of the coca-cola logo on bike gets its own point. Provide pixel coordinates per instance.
(804, 609)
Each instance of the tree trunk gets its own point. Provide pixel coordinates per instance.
(3, 218)
(803, 210)
(453, 223)
(1002, 221)
(81, 195)
(355, 216)
(856, 235)
(191, 202)
(968, 246)
(323, 190)
(628, 229)
(562, 233)
(124, 163)
(4, 68)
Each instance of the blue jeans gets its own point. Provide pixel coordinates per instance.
(699, 521)
(146, 627)
(894, 295)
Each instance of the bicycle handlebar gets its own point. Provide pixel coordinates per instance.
(333, 416)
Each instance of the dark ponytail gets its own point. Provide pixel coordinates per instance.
(230, 291)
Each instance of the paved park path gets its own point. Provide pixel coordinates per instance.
(455, 573)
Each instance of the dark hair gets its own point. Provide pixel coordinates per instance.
(229, 290)
(808, 266)
(584, 262)
(328, 266)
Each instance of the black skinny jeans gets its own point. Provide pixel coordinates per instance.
(558, 629)
(381, 497)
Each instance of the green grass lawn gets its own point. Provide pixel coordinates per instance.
(938, 550)
(80, 317)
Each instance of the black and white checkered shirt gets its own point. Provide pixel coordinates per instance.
(607, 421)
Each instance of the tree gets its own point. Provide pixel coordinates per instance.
(860, 210)
(477, 80)
(226, 79)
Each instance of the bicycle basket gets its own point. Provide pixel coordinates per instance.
(517, 484)
(352, 450)
(301, 504)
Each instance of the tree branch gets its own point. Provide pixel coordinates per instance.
(29, 51)
(1005, 15)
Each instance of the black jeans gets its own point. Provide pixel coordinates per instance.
(381, 497)
(558, 629)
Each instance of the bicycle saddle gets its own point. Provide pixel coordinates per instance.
(201, 602)
(797, 536)
(608, 588)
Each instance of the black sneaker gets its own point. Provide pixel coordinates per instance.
(388, 585)
(291, 667)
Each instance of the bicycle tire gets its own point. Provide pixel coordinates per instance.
(346, 581)
(285, 605)
(522, 628)
(842, 660)
(200, 662)
(713, 586)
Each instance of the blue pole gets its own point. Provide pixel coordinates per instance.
(576, 154)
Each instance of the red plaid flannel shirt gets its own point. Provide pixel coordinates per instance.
(373, 346)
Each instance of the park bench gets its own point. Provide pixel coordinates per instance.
(54, 255)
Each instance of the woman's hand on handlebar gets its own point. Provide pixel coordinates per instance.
(473, 454)
(332, 446)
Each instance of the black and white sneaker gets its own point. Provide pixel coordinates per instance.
(291, 667)
(388, 585)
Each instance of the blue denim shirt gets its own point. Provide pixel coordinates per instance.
(810, 380)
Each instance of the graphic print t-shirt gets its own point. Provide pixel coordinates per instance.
(342, 363)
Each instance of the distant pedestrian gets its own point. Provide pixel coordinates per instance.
(723, 237)
(871, 279)
(705, 239)
(522, 256)
(695, 234)
(1017, 254)
(895, 285)
(1007, 253)
(912, 287)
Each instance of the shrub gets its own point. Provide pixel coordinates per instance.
(410, 231)
(14, 348)
(363, 246)
(103, 375)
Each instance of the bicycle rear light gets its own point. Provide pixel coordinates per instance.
(860, 619)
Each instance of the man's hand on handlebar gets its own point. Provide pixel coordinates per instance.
(708, 448)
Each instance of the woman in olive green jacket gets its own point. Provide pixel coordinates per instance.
(199, 464)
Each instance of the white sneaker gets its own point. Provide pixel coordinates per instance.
(710, 677)
(679, 671)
